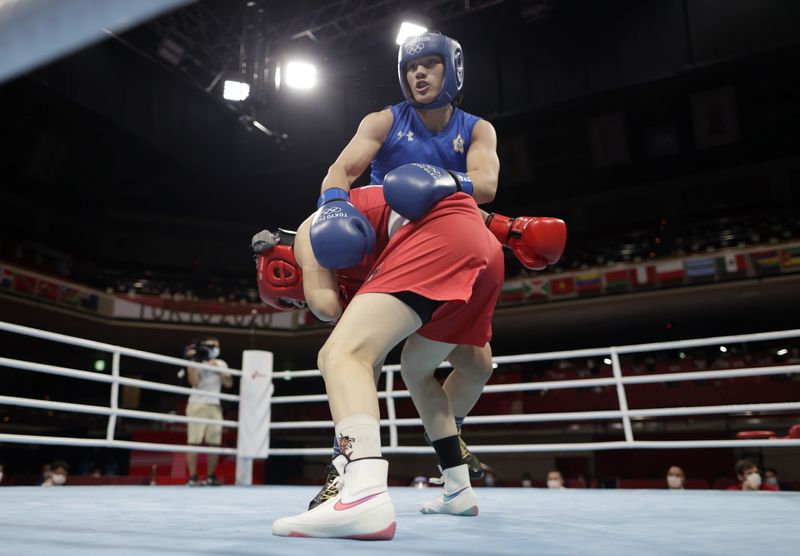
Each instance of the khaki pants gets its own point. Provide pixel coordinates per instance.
(197, 432)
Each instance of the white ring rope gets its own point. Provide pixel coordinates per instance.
(113, 410)
(63, 339)
(623, 414)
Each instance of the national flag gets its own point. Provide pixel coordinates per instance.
(89, 301)
(562, 286)
(699, 269)
(512, 291)
(589, 282)
(48, 290)
(643, 275)
(670, 271)
(68, 295)
(24, 283)
(766, 261)
(790, 258)
(539, 288)
(617, 280)
(6, 278)
(731, 264)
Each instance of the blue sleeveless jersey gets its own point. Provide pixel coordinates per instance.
(410, 141)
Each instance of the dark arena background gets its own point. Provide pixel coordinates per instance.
(663, 132)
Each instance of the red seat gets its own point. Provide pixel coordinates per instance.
(755, 434)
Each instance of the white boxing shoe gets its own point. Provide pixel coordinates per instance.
(362, 509)
(458, 497)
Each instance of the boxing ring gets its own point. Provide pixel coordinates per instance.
(237, 520)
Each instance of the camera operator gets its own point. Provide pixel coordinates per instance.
(205, 350)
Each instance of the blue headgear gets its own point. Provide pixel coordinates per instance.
(427, 44)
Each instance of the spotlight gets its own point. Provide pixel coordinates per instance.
(782, 351)
(723, 349)
(235, 90)
(607, 361)
(301, 75)
(408, 29)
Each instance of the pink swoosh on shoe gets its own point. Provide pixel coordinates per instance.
(339, 506)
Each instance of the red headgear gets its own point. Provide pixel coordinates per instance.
(280, 279)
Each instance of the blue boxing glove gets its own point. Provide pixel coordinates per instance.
(412, 189)
(340, 235)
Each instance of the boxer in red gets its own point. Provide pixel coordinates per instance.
(454, 328)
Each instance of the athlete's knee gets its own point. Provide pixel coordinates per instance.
(473, 363)
(344, 355)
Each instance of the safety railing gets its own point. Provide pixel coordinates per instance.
(623, 415)
(112, 410)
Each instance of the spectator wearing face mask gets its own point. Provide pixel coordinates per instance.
(771, 478)
(675, 478)
(201, 404)
(59, 472)
(555, 479)
(749, 477)
(527, 480)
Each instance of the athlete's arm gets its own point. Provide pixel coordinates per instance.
(360, 151)
(483, 166)
(320, 286)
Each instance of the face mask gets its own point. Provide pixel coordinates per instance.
(754, 479)
(770, 480)
(488, 481)
(673, 481)
(213, 352)
(554, 484)
(527, 483)
(58, 478)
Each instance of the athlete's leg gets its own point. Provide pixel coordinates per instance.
(419, 360)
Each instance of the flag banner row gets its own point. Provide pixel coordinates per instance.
(25, 283)
(673, 272)
(710, 268)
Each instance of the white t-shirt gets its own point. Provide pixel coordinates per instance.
(208, 381)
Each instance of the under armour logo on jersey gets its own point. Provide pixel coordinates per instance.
(408, 134)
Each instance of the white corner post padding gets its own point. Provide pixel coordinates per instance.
(255, 397)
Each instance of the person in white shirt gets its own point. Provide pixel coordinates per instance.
(205, 350)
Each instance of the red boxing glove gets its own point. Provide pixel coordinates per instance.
(535, 241)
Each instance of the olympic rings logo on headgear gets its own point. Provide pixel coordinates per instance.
(452, 57)
(415, 48)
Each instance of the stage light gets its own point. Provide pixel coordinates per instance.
(301, 75)
(782, 352)
(236, 91)
(408, 29)
(607, 361)
(723, 349)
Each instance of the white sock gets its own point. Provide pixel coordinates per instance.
(359, 436)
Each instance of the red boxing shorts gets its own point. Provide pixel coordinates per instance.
(447, 255)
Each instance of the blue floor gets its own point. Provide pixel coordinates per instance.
(177, 521)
